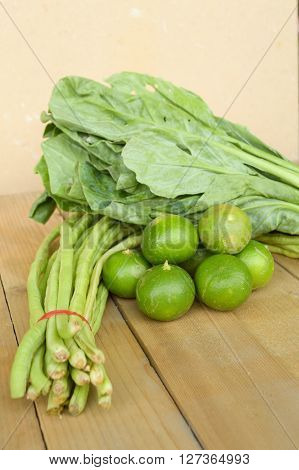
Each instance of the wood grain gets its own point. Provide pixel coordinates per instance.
(19, 427)
(242, 367)
(143, 415)
(289, 264)
(272, 318)
(221, 385)
(234, 376)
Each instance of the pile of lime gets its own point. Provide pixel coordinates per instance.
(217, 260)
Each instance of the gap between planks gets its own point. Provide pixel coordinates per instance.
(278, 386)
(120, 304)
(290, 265)
(153, 365)
(17, 341)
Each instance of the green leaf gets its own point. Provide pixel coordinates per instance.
(115, 114)
(150, 86)
(42, 208)
(270, 214)
(242, 135)
(62, 157)
(62, 203)
(99, 188)
(170, 171)
(140, 146)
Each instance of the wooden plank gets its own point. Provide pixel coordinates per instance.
(289, 264)
(143, 415)
(19, 427)
(234, 375)
(272, 318)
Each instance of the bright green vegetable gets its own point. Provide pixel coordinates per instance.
(97, 374)
(37, 269)
(224, 229)
(32, 393)
(55, 370)
(83, 270)
(259, 261)
(56, 401)
(60, 386)
(165, 292)
(141, 153)
(285, 251)
(122, 271)
(55, 344)
(79, 376)
(283, 244)
(77, 357)
(223, 282)
(78, 399)
(127, 243)
(104, 391)
(20, 370)
(86, 342)
(44, 281)
(98, 308)
(38, 379)
(35, 336)
(169, 237)
(191, 264)
(65, 281)
(42, 209)
(56, 359)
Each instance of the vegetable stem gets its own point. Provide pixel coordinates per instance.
(281, 173)
(85, 340)
(130, 242)
(77, 357)
(35, 272)
(99, 308)
(38, 379)
(55, 370)
(65, 282)
(78, 399)
(20, 370)
(97, 374)
(79, 376)
(77, 303)
(55, 344)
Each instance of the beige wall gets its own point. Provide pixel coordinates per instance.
(210, 46)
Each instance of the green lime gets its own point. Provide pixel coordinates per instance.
(223, 282)
(224, 229)
(191, 264)
(165, 292)
(169, 237)
(259, 261)
(122, 271)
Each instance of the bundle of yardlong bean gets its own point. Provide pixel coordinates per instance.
(58, 355)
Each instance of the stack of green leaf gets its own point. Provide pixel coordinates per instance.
(138, 146)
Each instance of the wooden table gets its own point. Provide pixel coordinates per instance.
(211, 380)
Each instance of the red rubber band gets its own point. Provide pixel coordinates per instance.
(53, 313)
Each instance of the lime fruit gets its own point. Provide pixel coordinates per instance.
(224, 229)
(165, 292)
(191, 264)
(169, 237)
(122, 271)
(223, 282)
(259, 261)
